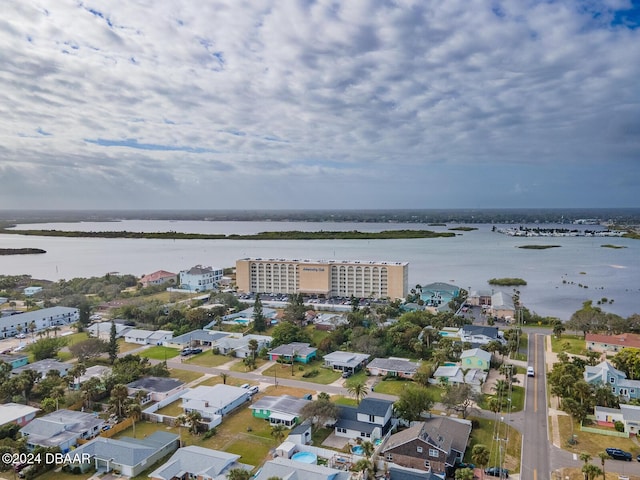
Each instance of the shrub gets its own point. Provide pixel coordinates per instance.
(619, 426)
(311, 373)
(210, 433)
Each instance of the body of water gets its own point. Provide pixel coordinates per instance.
(468, 260)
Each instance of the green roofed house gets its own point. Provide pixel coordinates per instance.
(475, 358)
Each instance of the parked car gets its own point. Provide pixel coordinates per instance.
(346, 374)
(185, 352)
(20, 335)
(618, 454)
(195, 351)
(497, 472)
(530, 372)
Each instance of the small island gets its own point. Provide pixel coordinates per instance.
(288, 235)
(464, 229)
(507, 282)
(609, 245)
(538, 247)
(21, 251)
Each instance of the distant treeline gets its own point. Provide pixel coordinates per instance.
(621, 216)
(290, 235)
(21, 251)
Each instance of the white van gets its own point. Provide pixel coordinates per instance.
(530, 372)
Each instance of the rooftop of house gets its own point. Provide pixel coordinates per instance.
(217, 395)
(287, 469)
(156, 384)
(11, 412)
(160, 274)
(126, 450)
(374, 406)
(60, 426)
(346, 358)
(445, 433)
(94, 371)
(199, 270)
(284, 404)
(200, 462)
(622, 340)
(300, 349)
(28, 317)
(491, 332)
(502, 300)
(394, 364)
(43, 366)
(199, 336)
(440, 287)
(476, 352)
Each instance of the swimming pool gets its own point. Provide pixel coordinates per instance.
(357, 449)
(305, 457)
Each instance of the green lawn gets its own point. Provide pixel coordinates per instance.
(124, 347)
(339, 400)
(208, 359)
(211, 381)
(360, 377)
(573, 344)
(173, 409)
(324, 376)
(316, 335)
(484, 435)
(592, 443)
(239, 366)
(160, 353)
(396, 386)
(319, 435)
(185, 375)
(63, 356)
(75, 338)
(517, 400)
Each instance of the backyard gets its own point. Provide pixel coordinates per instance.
(485, 433)
(315, 371)
(208, 359)
(592, 443)
(160, 353)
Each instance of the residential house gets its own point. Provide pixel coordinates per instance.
(196, 338)
(346, 361)
(476, 358)
(607, 375)
(62, 428)
(147, 337)
(198, 463)
(16, 360)
(31, 291)
(480, 335)
(214, 402)
(283, 410)
(299, 352)
(37, 320)
(396, 472)
(237, 345)
(155, 388)
(479, 298)
(243, 316)
(448, 374)
(288, 469)
(393, 367)
(502, 306)
(329, 321)
(370, 420)
(96, 371)
(629, 415)
(300, 434)
(438, 294)
(200, 279)
(128, 456)
(16, 413)
(43, 367)
(102, 330)
(432, 446)
(158, 278)
(611, 343)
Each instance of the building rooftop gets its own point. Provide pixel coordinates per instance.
(326, 262)
(287, 469)
(300, 349)
(156, 384)
(284, 404)
(346, 358)
(43, 367)
(217, 396)
(394, 364)
(10, 412)
(198, 462)
(60, 426)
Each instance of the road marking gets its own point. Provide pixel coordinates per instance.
(535, 380)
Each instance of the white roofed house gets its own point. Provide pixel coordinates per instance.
(392, 366)
(96, 371)
(38, 320)
(155, 388)
(214, 402)
(291, 470)
(284, 410)
(200, 279)
(17, 413)
(346, 361)
(198, 463)
(147, 337)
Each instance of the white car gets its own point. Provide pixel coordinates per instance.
(20, 335)
(530, 372)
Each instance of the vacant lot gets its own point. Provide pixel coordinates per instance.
(185, 375)
(160, 353)
(324, 376)
(573, 344)
(484, 435)
(592, 443)
(208, 359)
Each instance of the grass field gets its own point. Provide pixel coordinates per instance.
(208, 359)
(185, 375)
(485, 435)
(160, 353)
(173, 409)
(75, 338)
(573, 344)
(239, 366)
(592, 443)
(517, 400)
(325, 375)
(211, 381)
(124, 347)
(339, 400)
(395, 387)
(316, 335)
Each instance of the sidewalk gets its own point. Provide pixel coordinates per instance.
(554, 411)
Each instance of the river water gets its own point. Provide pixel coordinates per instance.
(468, 260)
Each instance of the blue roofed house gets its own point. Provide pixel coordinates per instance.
(126, 455)
(300, 352)
(370, 420)
(607, 375)
(438, 294)
(198, 463)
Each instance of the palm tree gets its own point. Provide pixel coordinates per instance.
(365, 466)
(604, 456)
(134, 412)
(181, 420)
(253, 347)
(119, 394)
(585, 457)
(193, 420)
(358, 390)
(224, 377)
(480, 456)
(277, 432)
(57, 394)
(591, 471)
(238, 474)
(367, 448)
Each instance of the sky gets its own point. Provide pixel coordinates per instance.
(319, 104)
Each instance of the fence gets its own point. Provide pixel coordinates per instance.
(600, 431)
(117, 428)
(149, 413)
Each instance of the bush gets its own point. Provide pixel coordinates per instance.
(300, 368)
(311, 373)
(619, 426)
(210, 433)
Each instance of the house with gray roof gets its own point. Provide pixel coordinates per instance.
(43, 367)
(392, 366)
(196, 338)
(629, 415)
(287, 469)
(156, 388)
(100, 372)
(62, 428)
(300, 352)
(238, 344)
(38, 319)
(606, 374)
(433, 446)
(129, 456)
(198, 462)
(479, 334)
(370, 420)
(16, 413)
(346, 361)
(102, 330)
(16, 360)
(283, 410)
(502, 306)
(147, 337)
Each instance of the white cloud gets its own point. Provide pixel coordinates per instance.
(278, 94)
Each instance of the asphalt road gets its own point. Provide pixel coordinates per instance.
(536, 445)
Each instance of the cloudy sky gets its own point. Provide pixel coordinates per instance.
(319, 104)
